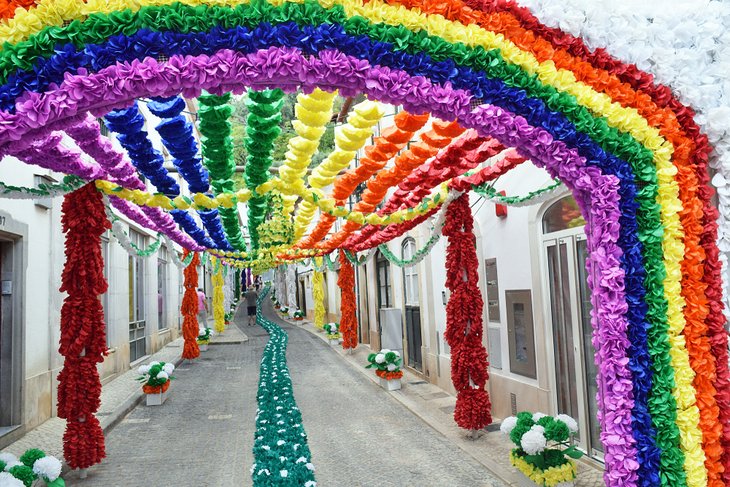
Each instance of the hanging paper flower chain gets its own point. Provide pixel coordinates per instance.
(464, 319)
(348, 320)
(281, 453)
(219, 319)
(83, 337)
(262, 128)
(32, 465)
(189, 309)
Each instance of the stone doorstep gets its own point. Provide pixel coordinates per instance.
(48, 436)
(431, 411)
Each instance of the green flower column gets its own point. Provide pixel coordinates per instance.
(263, 127)
(217, 148)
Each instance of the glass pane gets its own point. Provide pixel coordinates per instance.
(594, 428)
(521, 342)
(130, 272)
(562, 215)
(562, 331)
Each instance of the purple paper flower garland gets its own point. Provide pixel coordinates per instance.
(288, 67)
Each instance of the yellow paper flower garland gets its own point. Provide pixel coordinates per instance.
(318, 294)
(313, 112)
(219, 313)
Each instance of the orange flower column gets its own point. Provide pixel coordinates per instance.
(189, 309)
(348, 321)
(83, 337)
(464, 319)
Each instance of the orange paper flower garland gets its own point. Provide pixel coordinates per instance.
(348, 321)
(189, 309)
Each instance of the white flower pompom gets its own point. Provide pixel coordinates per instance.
(14, 463)
(168, 368)
(570, 422)
(536, 417)
(144, 369)
(508, 424)
(152, 364)
(163, 375)
(48, 467)
(7, 480)
(391, 367)
(533, 441)
(310, 483)
(380, 358)
(284, 473)
(8, 458)
(397, 354)
(385, 350)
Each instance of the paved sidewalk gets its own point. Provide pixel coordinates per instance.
(435, 407)
(118, 397)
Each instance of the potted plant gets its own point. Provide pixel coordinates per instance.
(284, 310)
(204, 335)
(33, 466)
(543, 454)
(228, 317)
(156, 377)
(387, 367)
(333, 333)
(298, 315)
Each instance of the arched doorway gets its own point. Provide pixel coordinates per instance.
(411, 305)
(568, 311)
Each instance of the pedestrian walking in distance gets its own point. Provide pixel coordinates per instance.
(202, 309)
(251, 297)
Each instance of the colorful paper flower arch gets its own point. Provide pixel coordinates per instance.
(630, 153)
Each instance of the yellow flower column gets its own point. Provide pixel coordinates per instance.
(219, 313)
(318, 294)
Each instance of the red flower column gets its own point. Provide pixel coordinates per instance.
(464, 319)
(348, 321)
(189, 309)
(83, 337)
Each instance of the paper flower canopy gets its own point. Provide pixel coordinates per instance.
(630, 152)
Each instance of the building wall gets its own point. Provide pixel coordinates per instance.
(42, 247)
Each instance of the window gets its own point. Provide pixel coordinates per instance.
(162, 288)
(42, 182)
(137, 323)
(562, 215)
(384, 291)
(521, 333)
(492, 290)
(105, 296)
(410, 273)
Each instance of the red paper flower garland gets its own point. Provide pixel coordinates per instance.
(348, 321)
(189, 309)
(83, 337)
(464, 319)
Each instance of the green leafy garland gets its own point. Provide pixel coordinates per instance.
(489, 192)
(263, 127)
(217, 149)
(69, 183)
(281, 453)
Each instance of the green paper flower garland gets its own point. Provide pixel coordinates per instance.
(281, 453)
(217, 149)
(263, 127)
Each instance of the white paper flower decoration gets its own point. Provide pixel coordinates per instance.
(48, 467)
(533, 441)
(570, 422)
(508, 424)
(14, 463)
(536, 417)
(380, 358)
(7, 457)
(7, 480)
(163, 375)
(391, 367)
(143, 369)
(168, 368)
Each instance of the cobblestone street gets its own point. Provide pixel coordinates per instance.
(202, 436)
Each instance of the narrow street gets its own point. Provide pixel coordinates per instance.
(203, 434)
